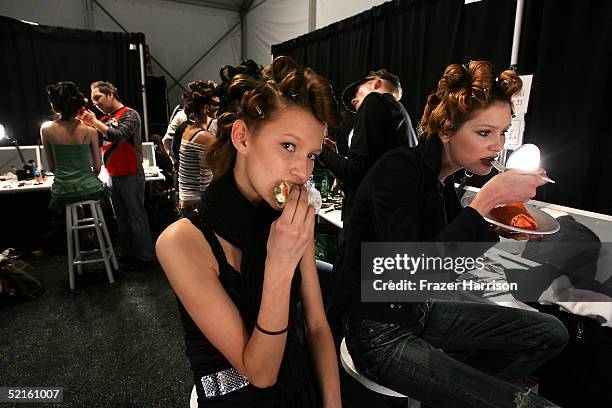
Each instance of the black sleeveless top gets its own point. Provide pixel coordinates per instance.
(224, 211)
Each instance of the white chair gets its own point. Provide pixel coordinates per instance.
(349, 367)
(96, 222)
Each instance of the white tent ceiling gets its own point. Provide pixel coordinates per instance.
(192, 39)
(229, 5)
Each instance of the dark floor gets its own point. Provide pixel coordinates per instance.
(115, 345)
(118, 345)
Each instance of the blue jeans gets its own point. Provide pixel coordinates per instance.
(132, 220)
(459, 354)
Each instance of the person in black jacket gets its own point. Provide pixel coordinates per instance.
(381, 124)
(446, 353)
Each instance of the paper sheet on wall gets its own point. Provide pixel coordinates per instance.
(521, 101)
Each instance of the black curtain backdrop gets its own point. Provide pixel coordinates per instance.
(567, 45)
(32, 57)
(157, 105)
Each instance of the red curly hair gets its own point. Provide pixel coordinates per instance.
(463, 90)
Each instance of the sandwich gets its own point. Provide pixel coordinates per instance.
(283, 189)
(281, 194)
(515, 215)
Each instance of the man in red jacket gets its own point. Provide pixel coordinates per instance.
(122, 154)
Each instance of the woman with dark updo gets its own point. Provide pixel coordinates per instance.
(239, 264)
(227, 73)
(447, 353)
(194, 175)
(71, 149)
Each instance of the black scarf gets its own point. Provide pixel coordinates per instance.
(246, 226)
(235, 218)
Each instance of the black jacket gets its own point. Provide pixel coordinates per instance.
(402, 200)
(381, 124)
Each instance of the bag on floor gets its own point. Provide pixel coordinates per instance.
(16, 283)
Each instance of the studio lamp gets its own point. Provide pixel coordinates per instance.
(526, 158)
(26, 172)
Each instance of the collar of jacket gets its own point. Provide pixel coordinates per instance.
(431, 153)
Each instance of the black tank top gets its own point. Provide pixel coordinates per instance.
(203, 357)
(225, 212)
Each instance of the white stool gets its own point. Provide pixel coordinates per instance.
(193, 401)
(96, 221)
(349, 367)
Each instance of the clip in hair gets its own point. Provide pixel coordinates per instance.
(420, 131)
(259, 112)
(484, 90)
(294, 95)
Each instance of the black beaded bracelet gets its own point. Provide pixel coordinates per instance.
(271, 333)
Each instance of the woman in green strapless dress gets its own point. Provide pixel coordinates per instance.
(71, 149)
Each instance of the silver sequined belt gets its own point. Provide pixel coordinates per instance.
(223, 382)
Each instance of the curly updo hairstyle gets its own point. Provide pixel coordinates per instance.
(198, 100)
(463, 90)
(227, 73)
(283, 83)
(65, 99)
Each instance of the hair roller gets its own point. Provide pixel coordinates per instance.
(510, 82)
(279, 68)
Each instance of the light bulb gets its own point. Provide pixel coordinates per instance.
(525, 157)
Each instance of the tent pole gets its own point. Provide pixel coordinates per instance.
(516, 39)
(312, 16)
(518, 22)
(143, 87)
(243, 36)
